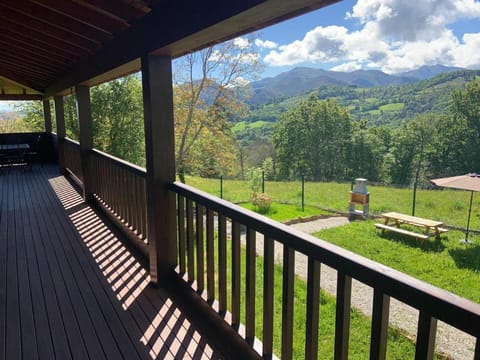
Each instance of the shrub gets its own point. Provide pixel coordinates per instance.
(262, 201)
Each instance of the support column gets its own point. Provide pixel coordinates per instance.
(60, 120)
(160, 161)
(86, 137)
(47, 115)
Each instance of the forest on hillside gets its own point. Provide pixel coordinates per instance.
(397, 134)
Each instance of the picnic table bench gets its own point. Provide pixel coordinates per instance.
(429, 227)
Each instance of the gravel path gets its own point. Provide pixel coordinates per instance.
(457, 344)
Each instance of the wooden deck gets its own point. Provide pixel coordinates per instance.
(69, 288)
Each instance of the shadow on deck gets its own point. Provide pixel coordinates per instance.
(69, 287)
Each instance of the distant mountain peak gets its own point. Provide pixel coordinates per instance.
(303, 79)
(428, 71)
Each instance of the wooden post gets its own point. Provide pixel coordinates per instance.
(47, 115)
(160, 161)
(86, 137)
(60, 120)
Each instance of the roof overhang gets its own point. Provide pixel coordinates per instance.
(57, 44)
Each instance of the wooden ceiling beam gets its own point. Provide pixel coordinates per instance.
(20, 28)
(127, 12)
(45, 15)
(86, 15)
(35, 75)
(19, 79)
(29, 47)
(43, 66)
(46, 56)
(67, 51)
(20, 20)
(7, 31)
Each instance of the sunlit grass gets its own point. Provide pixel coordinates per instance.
(399, 346)
(445, 263)
(449, 206)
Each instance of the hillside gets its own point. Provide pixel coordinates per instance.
(378, 105)
(302, 79)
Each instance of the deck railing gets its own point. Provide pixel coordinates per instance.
(72, 158)
(202, 227)
(119, 187)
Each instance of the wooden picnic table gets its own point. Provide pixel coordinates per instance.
(429, 227)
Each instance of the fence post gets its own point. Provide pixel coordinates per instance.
(221, 187)
(303, 193)
(263, 181)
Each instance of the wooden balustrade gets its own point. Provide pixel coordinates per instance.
(433, 303)
(119, 187)
(72, 158)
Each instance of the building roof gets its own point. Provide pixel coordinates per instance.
(48, 46)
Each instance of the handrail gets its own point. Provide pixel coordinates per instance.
(72, 158)
(119, 188)
(461, 313)
(138, 170)
(74, 142)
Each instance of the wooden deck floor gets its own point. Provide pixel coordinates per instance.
(70, 289)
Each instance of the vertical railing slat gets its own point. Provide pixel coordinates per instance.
(235, 274)
(250, 287)
(426, 333)
(200, 248)
(313, 312)
(380, 313)
(287, 301)
(136, 205)
(144, 208)
(476, 356)
(190, 242)
(342, 319)
(210, 256)
(222, 263)
(181, 233)
(268, 278)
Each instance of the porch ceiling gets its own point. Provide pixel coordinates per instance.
(47, 46)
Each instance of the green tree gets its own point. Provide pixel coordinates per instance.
(32, 113)
(451, 152)
(465, 105)
(312, 139)
(117, 113)
(206, 96)
(365, 157)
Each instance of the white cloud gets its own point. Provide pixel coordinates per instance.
(266, 44)
(319, 44)
(412, 20)
(238, 81)
(394, 35)
(347, 67)
(243, 57)
(241, 42)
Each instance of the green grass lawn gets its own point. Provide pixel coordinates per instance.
(284, 212)
(449, 206)
(399, 346)
(392, 107)
(445, 263)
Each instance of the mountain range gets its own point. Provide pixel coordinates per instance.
(302, 79)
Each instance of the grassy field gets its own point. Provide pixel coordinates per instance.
(399, 346)
(445, 263)
(449, 206)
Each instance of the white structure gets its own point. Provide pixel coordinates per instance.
(359, 196)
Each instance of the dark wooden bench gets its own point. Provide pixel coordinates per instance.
(413, 234)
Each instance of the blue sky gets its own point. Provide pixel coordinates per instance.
(389, 35)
